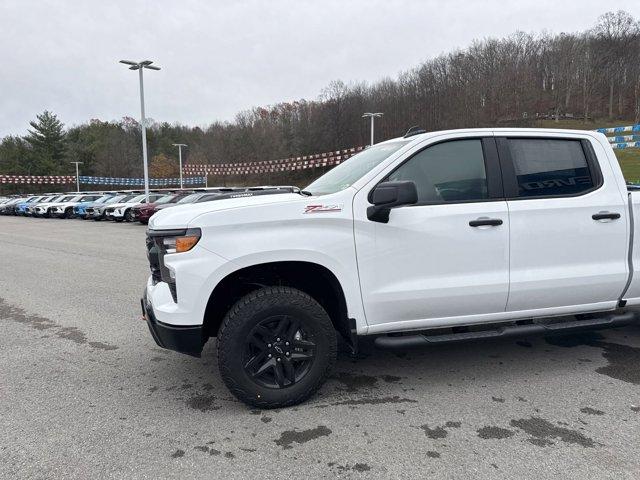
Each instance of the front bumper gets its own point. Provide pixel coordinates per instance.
(144, 215)
(187, 339)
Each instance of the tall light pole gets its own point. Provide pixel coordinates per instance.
(180, 145)
(77, 177)
(143, 121)
(372, 116)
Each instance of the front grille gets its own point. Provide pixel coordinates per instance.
(153, 255)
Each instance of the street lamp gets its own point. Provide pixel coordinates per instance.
(141, 66)
(372, 116)
(77, 177)
(180, 145)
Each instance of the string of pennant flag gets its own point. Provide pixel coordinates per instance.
(37, 179)
(327, 159)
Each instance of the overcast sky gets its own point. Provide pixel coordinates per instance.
(219, 58)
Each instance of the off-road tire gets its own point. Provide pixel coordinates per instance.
(245, 315)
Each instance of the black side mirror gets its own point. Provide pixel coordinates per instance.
(388, 195)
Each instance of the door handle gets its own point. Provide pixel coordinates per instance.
(481, 222)
(605, 216)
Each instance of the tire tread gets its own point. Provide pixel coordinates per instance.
(249, 303)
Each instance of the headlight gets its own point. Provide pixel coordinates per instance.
(181, 243)
(164, 242)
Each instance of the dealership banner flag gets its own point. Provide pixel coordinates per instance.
(86, 180)
(156, 182)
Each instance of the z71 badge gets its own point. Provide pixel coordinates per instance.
(323, 208)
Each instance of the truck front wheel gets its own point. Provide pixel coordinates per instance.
(276, 347)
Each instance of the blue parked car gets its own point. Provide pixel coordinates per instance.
(21, 208)
(80, 210)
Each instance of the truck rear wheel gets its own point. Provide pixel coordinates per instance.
(276, 347)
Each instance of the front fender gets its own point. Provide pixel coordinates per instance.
(346, 275)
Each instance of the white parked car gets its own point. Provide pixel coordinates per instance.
(43, 209)
(434, 237)
(122, 211)
(64, 208)
(31, 208)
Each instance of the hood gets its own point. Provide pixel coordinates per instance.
(129, 205)
(59, 204)
(181, 216)
(162, 206)
(117, 205)
(148, 206)
(45, 204)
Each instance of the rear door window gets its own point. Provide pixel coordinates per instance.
(550, 167)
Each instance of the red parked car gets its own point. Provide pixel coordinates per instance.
(143, 212)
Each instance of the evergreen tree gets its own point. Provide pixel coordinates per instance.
(48, 141)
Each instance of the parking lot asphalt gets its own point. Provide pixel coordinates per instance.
(85, 392)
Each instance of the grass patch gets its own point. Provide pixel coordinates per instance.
(629, 159)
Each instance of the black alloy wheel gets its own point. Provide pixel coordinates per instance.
(278, 352)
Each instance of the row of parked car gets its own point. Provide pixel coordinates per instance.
(120, 206)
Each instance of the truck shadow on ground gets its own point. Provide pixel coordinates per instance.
(375, 376)
(615, 352)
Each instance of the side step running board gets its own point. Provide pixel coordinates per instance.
(421, 340)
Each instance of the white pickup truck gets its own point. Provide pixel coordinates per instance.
(432, 237)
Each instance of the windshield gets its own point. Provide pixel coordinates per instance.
(208, 197)
(347, 173)
(103, 199)
(190, 198)
(165, 199)
(137, 199)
